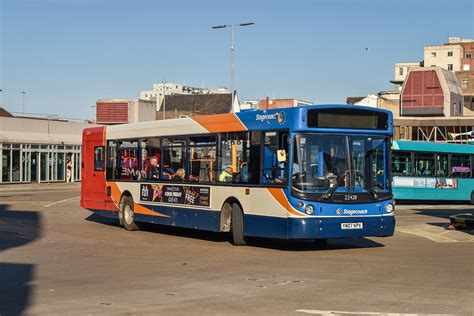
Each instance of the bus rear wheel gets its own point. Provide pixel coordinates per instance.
(127, 214)
(237, 222)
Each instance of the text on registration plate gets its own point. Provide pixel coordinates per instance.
(352, 225)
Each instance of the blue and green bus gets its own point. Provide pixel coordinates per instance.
(433, 171)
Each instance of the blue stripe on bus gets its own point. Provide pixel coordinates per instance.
(272, 227)
(309, 228)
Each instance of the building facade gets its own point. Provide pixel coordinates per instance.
(401, 71)
(444, 56)
(36, 150)
(431, 92)
(121, 111)
(160, 90)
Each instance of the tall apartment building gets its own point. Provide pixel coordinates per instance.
(465, 75)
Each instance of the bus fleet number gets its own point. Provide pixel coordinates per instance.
(350, 197)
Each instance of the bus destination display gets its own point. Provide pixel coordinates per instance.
(348, 118)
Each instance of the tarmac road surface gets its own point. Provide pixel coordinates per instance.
(57, 258)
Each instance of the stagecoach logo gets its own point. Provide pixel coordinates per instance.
(279, 116)
(341, 211)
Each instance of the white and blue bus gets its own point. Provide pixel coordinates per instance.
(313, 172)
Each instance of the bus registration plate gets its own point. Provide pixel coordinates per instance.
(352, 225)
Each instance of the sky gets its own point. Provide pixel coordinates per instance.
(66, 54)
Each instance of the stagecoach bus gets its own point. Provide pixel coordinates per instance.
(433, 171)
(312, 172)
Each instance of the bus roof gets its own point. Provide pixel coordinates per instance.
(282, 118)
(433, 147)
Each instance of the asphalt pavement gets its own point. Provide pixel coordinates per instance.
(59, 259)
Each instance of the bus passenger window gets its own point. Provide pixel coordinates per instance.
(239, 158)
(111, 168)
(150, 159)
(174, 156)
(99, 158)
(275, 157)
(128, 160)
(401, 163)
(460, 166)
(442, 169)
(424, 164)
(202, 158)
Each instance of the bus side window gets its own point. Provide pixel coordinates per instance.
(150, 159)
(202, 159)
(128, 160)
(99, 159)
(275, 170)
(111, 168)
(460, 166)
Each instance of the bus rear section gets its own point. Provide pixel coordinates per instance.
(93, 185)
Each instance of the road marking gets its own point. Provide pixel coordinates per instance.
(333, 313)
(57, 202)
(436, 234)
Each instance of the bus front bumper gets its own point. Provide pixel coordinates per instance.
(341, 227)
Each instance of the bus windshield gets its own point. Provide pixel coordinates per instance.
(340, 163)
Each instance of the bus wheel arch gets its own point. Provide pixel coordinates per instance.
(126, 214)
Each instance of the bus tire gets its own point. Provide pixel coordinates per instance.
(237, 222)
(128, 216)
(472, 197)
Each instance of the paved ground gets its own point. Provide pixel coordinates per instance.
(57, 259)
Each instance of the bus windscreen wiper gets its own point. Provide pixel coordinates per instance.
(330, 192)
(366, 184)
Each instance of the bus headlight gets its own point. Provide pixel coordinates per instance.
(389, 208)
(309, 209)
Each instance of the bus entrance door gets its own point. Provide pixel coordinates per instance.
(93, 186)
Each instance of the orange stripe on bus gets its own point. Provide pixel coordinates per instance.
(116, 193)
(281, 198)
(217, 123)
(137, 208)
(140, 209)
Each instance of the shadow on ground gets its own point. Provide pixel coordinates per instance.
(17, 228)
(441, 212)
(275, 244)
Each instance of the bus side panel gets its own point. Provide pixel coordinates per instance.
(93, 186)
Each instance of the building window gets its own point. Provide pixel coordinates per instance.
(465, 83)
(433, 65)
(466, 67)
(468, 55)
(450, 66)
(450, 54)
(433, 54)
(401, 71)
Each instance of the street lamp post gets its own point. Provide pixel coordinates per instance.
(164, 99)
(232, 48)
(23, 94)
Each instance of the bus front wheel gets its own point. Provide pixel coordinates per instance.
(128, 216)
(237, 222)
(472, 197)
